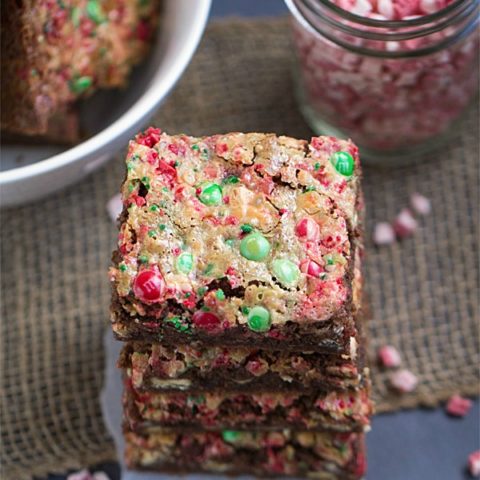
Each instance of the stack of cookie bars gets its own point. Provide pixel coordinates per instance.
(237, 290)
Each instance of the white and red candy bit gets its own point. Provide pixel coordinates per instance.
(405, 224)
(86, 475)
(114, 207)
(474, 463)
(458, 406)
(387, 103)
(403, 381)
(389, 356)
(420, 204)
(383, 234)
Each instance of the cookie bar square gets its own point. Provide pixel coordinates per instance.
(242, 239)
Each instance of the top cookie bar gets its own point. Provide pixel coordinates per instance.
(237, 239)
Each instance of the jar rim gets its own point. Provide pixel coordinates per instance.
(411, 22)
(455, 13)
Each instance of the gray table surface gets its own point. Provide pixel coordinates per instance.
(408, 445)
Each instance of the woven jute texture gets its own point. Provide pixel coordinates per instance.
(55, 253)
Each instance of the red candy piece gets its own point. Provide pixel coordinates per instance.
(149, 286)
(144, 31)
(206, 320)
(458, 406)
(474, 463)
(311, 268)
(307, 229)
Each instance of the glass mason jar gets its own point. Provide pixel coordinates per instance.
(394, 87)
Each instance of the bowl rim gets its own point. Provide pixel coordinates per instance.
(140, 110)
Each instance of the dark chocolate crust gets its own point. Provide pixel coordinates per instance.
(157, 368)
(322, 337)
(337, 411)
(272, 455)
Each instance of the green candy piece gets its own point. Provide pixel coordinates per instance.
(286, 272)
(76, 15)
(259, 319)
(80, 84)
(94, 11)
(230, 435)
(246, 228)
(211, 194)
(230, 180)
(185, 263)
(254, 247)
(343, 163)
(220, 294)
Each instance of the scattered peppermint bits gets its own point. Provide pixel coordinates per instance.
(149, 286)
(178, 248)
(255, 247)
(389, 356)
(184, 263)
(474, 463)
(286, 272)
(458, 406)
(384, 234)
(259, 319)
(210, 194)
(114, 207)
(307, 229)
(403, 381)
(420, 204)
(405, 224)
(312, 268)
(343, 163)
(86, 475)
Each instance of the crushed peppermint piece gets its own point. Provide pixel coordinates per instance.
(383, 234)
(100, 476)
(405, 224)
(114, 207)
(458, 406)
(404, 381)
(389, 356)
(80, 475)
(474, 463)
(420, 204)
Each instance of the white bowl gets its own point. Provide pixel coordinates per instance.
(29, 172)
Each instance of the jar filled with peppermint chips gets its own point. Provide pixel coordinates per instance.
(393, 75)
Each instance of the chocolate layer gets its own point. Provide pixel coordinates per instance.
(325, 456)
(154, 367)
(339, 411)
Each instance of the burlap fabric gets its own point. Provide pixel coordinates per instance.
(56, 252)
